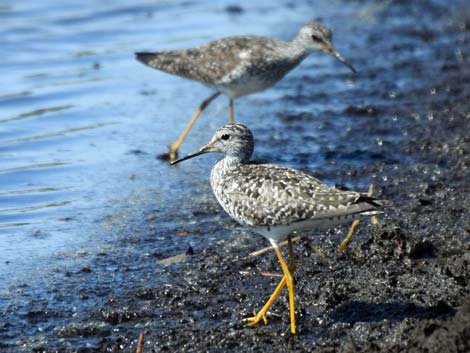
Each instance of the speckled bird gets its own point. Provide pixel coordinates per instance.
(276, 201)
(237, 66)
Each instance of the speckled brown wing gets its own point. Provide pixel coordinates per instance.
(211, 62)
(274, 195)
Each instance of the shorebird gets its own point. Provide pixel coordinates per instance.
(276, 201)
(237, 66)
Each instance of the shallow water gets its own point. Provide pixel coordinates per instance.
(81, 123)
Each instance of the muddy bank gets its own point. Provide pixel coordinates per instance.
(401, 286)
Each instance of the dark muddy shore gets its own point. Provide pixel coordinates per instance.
(401, 286)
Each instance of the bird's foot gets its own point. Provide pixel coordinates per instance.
(254, 320)
(169, 156)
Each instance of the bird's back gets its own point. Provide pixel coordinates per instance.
(225, 61)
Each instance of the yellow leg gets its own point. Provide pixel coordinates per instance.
(261, 316)
(290, 287)
(320, 254)
(291, 255)
(175, 146)
(351, 232)
(231, 120)
(348, 238)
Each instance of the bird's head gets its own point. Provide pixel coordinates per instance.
(315, 36)
(233, 140)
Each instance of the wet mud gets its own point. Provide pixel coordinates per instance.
(401, 286)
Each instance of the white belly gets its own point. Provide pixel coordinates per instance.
(281, 232)
(243, 86)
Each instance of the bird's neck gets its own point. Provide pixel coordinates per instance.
(298, 49)
(230, 162)
(223, 167)
(226, 165)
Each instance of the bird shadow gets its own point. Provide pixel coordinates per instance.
(356, 311)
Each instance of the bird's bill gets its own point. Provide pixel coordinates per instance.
(202, 150)
(341, 59)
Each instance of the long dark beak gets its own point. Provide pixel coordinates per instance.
(202, 150)
(342, 60)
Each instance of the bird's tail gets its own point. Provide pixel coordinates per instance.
(364, 198)
(146, 57)
(370, 206)
(372, 213)
(170, 61)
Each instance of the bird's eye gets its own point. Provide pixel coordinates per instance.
(316, 38)
(225, 137)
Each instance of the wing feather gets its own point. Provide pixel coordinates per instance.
(272, 195)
